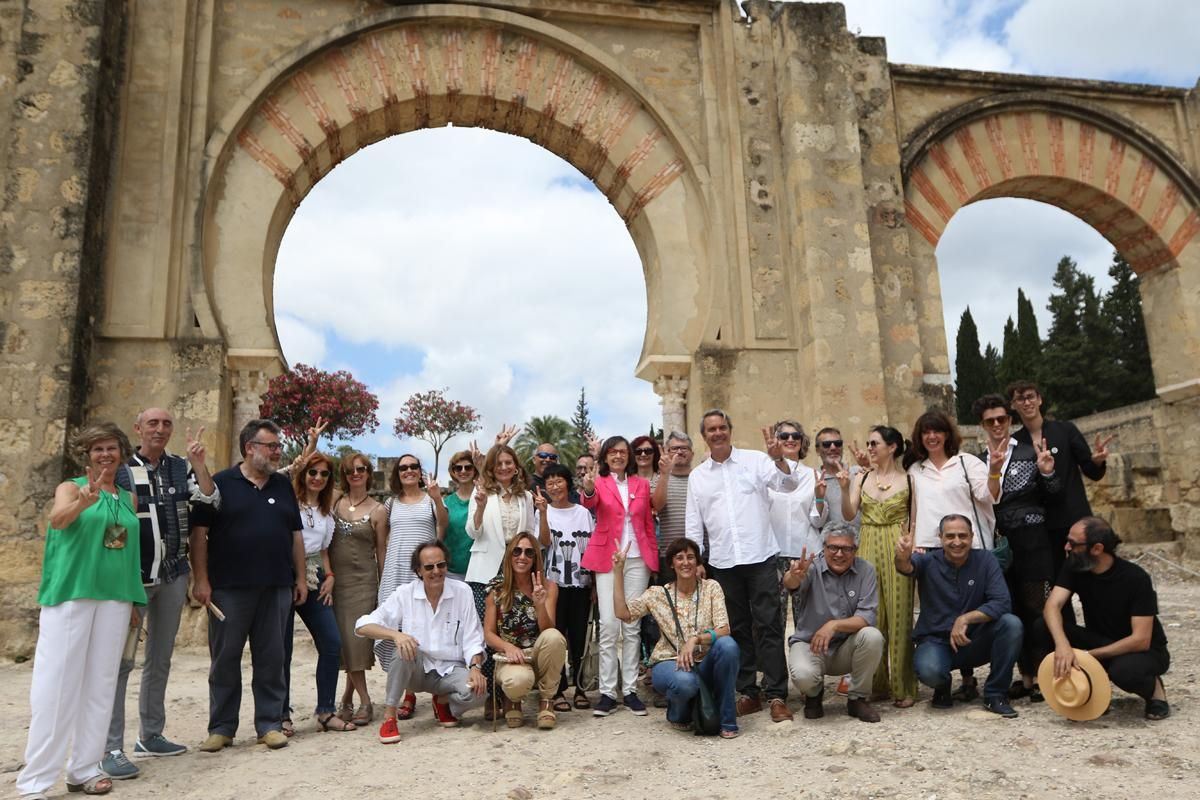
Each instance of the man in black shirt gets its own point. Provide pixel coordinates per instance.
(1120, 608)
(248, 559)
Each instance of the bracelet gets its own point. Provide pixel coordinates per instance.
(328, 574)
(713, 634)
(820, 500)
(993, 476)
(473, 665)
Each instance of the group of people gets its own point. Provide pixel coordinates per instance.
(477, 593)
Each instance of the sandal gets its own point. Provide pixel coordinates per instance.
(407, 707)
(545, 716)
(363, 714)
(98, 784)
(581, 699)
(1158, 709)
(513, 715)
(332, 722)
(904, 702)
(345, 711)
(288, 728)
(561, 703)
(729, 734)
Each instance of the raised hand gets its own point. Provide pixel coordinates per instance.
(861, 457)
(481, 495)
(821, 487)
(618, 559)
(539, 589)
(773, 446)
(314, 433)
(196, 451)
(539, 500)
(843, 478)
(594, 444)
(507, 432)
(89, 493)
(1045, 459)
(1100, 451)
(431, 486)
(996, 456)
(477, 458)
(589, 478)
(799, 566)
(666, 462)
(904, 546)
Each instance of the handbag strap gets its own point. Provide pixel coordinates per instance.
(675, 614)
(971, 494)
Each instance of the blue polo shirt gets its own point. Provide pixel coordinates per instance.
(251, 534)
(948, 592)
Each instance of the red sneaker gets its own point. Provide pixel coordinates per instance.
(843, 687)
(441, 710)
(389, 733)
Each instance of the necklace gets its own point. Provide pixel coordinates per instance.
(883, 487)
(354, 504)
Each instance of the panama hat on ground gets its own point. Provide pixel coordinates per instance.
(1082, 695)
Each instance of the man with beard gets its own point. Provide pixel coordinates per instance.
(830, 448)
(1120, 615)
(247, 556)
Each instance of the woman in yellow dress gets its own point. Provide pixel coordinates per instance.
(885, 497)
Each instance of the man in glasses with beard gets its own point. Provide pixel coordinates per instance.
(1120, 614)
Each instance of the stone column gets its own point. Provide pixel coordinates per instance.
(672, 393)
(249, 374)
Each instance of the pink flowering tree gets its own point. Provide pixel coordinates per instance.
(298, 397)
(434, 418)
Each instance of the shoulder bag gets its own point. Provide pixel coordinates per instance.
(706, 719)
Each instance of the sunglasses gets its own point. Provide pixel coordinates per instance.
(829, 444)
(462, 467)
(873, 443)
(431, 567)
(323, 473)
(995, 421)
(361, 470)
(528, 552)
(546, 456)
(784, 436)
(408, 468)
(644, 451)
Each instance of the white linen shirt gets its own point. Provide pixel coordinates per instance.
(948, 491)
(446, 638)
(796, 517)
(730, 500)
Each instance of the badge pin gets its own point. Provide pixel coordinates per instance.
(271, 500)
(170, 490)
(971, 582)
(1054, 450)
(851, 593)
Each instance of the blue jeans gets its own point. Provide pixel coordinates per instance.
(718, 670)
(319, 620)
(997, 642)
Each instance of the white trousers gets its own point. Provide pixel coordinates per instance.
(74, 677)
(636, 579)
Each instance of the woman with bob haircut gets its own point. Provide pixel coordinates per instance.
(91, 580)
(519, 626)
(313, 485)
(356, 555)
(695, 645)
(624, 522)
(796, 516)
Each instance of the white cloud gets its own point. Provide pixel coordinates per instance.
(303, 343)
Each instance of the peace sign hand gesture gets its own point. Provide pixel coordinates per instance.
(507, 432)
(431, 486)
(860, 456)
(196, 451)
(481, 495)
(539, 500)
(774, 447)
(821, 487)
(843, 477)
(89, 493)
(996, 456)
(799, 566)
(1045, 459)
(618, 559)
(1100, 451)
(589, 478)
(904, 546)
(539, 589)
(594, 444)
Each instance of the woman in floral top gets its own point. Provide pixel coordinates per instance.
(695, 644)
(518, 625)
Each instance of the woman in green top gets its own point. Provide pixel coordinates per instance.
(463, 473)
(91, 579)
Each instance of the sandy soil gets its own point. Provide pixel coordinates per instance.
(915, 753)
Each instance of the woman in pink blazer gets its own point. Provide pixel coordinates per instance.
(624, 521)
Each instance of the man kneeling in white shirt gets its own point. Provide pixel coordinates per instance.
(439, 641)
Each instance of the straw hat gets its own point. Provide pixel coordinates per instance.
(1083, 694)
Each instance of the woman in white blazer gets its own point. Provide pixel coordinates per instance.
(501, 508)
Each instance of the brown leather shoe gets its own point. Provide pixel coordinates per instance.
(813, 708)
(748, 705)
(779, 711)
(857, 707)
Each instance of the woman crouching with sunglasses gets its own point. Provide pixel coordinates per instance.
(519, 626)
(695, 644)
(314, 489)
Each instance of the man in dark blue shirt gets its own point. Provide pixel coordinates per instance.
(248, 559)
(965, 614)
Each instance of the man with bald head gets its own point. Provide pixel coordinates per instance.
(545, 455)
(166, 485)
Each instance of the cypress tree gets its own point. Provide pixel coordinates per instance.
(1010, 367)
(1122, 313)
(1029, 341)
(969, 368)
(1073, 378)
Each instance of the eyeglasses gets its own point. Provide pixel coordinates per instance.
(274, 447)
(874, 443)
(360, 470)
(838, 549)
(1028, 397)
(795, 436)
(408, 467)
(1076, 545)
(829, 444)
(581, 470)
(544, 456)
(462, 467)
(323, 473)
(644, 451)
(681, 448)
(528, 552)
(995, 421)
(431, 567)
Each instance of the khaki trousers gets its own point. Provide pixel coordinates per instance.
(857, 654)
(543, 665)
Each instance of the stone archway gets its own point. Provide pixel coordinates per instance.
(1089, 162)
(430, 66)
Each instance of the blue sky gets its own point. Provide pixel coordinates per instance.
(478, 262)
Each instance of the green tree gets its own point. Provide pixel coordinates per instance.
(582, 421)
(991, 368)
(550, 430)
(970, 371)
(1078, 371)
(1009, 369)
(1122, 313)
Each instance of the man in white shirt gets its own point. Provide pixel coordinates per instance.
(727, 497)
(439, 641)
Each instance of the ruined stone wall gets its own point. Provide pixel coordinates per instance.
(58, 75)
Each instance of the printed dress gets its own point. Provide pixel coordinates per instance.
(882, 523)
